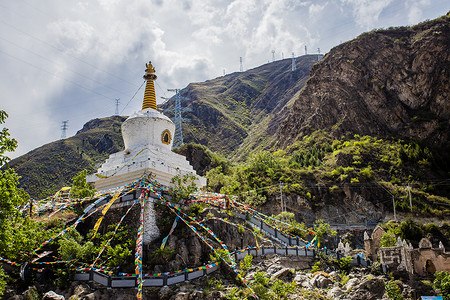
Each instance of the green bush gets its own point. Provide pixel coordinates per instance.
(393, 290)
(442, 283)
(2, 281)
(246, 263)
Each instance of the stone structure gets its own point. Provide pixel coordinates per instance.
(372, 243)
(422, 261)
(148, 137)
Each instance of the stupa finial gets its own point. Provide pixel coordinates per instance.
(149, 95)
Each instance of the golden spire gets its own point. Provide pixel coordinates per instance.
(149, 95)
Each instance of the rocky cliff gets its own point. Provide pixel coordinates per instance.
(386, 83)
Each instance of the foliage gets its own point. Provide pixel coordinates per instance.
(442, 283)
(344, 278)
(73, 247)
(7, 144)
(393, 290)
(80, 188)
(282, 290)
(235, 294)
(254, 199)
(321, 228)
(260, 285)
(246, 263)
(388, 239)
(344, 264)
(11, 197)
(411, 230)
(195, 209)
(3, 278)
(220, 255)
(183, 187)
(162, 256)
(214, 283)
(316, 266)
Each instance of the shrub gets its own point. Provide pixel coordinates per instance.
(2, 281)
(442, 283)
(393, 290)
(246, 263)
(388, 239)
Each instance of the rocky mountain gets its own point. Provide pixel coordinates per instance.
(390, 83)
(236, 113)
(385, 83)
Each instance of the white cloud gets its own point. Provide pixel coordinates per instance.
(367, 12)
(69, 60)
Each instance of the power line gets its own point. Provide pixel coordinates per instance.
(62, 51)
(63, 67)
(64, 129)
(117, 106)
(53, 74)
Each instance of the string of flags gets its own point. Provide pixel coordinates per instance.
(155, 189)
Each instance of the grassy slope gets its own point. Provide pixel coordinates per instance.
(49, 167)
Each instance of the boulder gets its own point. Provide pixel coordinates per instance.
(180, 296)
(196, 295)
(351, 283)
(81, 290)
(280, 273)
(51, 295)
(31, 293)
(320, 281)
(165, 292)
(215, 295)
(300, 278)
(335, 292)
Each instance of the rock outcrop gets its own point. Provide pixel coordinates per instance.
(386, 83)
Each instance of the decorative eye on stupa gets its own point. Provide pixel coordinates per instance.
(166, 137)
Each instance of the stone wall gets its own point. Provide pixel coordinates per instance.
(423, 261)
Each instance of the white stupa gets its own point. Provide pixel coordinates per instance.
(148, 137)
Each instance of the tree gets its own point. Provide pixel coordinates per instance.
(6, 144)
(322, 229)
(80, 188)
(10, 195)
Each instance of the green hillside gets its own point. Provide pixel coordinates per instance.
(48, 168)
(236, 113)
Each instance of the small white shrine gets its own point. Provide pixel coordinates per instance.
(148, 137)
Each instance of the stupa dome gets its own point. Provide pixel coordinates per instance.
(146, 128)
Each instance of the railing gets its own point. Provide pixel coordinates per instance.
(170, 278)
(274, 233)
(164, 279)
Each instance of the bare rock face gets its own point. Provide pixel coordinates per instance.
(391, 82)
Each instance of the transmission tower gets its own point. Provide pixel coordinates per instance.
(294, 66)
(117, 106)
(241, 66)
(273, 55)
(306, 50)
(178, 138)
(64, 129)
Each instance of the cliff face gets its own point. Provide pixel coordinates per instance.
(391, 82)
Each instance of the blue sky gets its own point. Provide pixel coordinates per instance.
(70, 60)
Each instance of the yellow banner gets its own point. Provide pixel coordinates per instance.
(105, 209)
